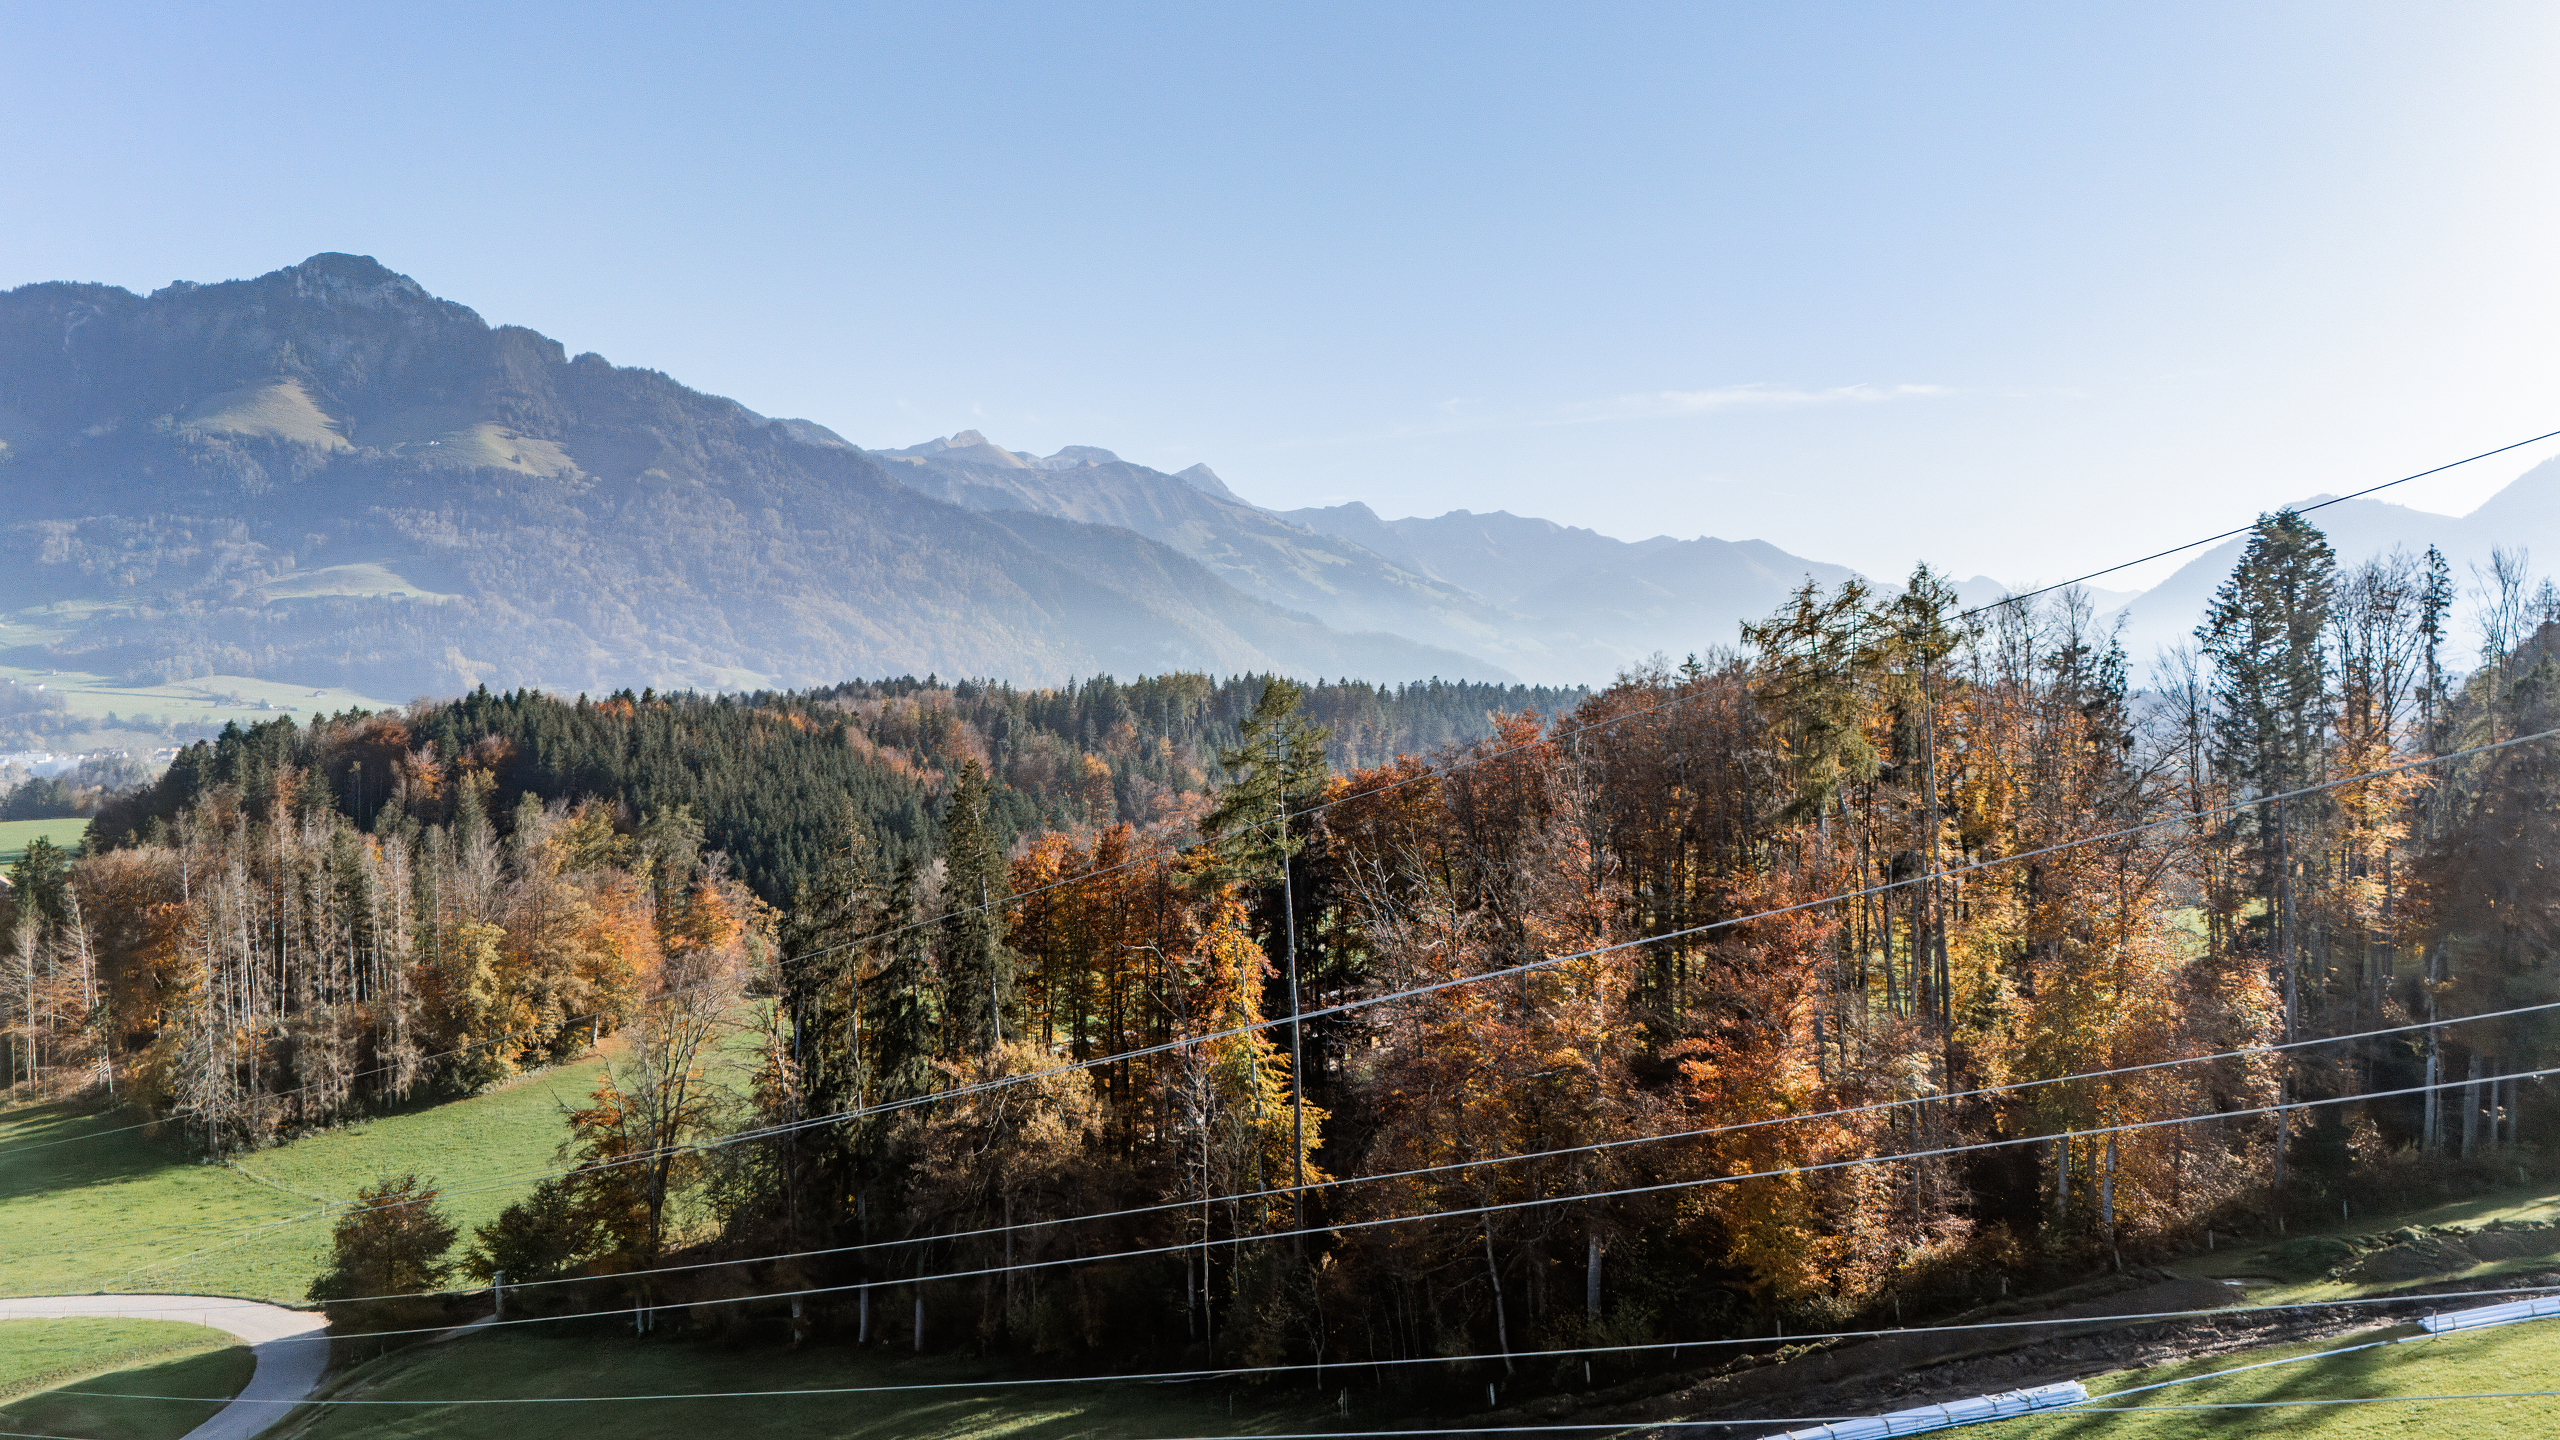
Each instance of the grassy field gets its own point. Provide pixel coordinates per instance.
(200, 700)
(2526, 1205)
(40, 1354)
(221, 1370)
(2519, 1357)
(526, 1365)
(127, 1211)
(96, 1204)
(16, 835)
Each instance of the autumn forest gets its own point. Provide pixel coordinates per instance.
(1902, 954)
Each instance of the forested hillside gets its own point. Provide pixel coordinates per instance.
(1905, 957)
(771, 780)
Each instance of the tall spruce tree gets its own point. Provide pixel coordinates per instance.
(977, 967)
(2265, 634)
(2435, 605)
(1278, 768)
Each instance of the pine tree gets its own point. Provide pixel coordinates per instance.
(2265, 634)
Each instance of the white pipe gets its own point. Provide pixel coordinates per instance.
(1947, 1416)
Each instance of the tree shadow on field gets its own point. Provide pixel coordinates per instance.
(89, 1417)
(50, 1147)
(2338, 1377)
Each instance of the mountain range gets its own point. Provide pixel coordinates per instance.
(2523, 516)
(327, 475)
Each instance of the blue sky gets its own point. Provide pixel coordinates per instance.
(2022, 289)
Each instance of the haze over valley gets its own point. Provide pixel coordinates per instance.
(989, 722)
(325, 477)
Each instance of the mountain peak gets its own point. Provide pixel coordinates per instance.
(1201, 477)
(356, 279)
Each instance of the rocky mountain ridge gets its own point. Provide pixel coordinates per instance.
(328, 474)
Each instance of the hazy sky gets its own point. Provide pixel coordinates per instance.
(2023, 289)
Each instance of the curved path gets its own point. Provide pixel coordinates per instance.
(290, 1347)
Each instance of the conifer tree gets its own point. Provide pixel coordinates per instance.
(977, 966)
(2266, 635)
(1279, 766)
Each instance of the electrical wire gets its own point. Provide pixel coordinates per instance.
(980, 1087)
(1339, 1228)
(2245, 529)
(1344, 1182)
(1436, 772)
(2188, 818)
(1172, 1377)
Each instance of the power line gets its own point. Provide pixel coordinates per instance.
(1489, 1162)
(2245, 529)
(1435, 772)
(1339, 1228)
(1168, 1377)
(2187, 818)
(1346, 1007)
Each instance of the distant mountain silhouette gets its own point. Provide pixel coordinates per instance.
(1586, 602)
(328, 475)
(2525, 515)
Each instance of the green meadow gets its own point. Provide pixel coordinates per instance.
(126, 1358)
(17, 835)
(2384, 1390)
(953, 1399)
(97, 1202)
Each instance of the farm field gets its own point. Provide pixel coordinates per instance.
(2508, 1232)
(142, 711)
(17, 835)
(44, 1353)
(2516, 1358)
(201, 700)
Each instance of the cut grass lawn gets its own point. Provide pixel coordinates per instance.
(128, 1211)
(220, 1370)
(42, 1354)
(2517, 1357)
(17, 835)
(529, 1366)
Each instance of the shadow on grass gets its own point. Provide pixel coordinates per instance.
(2362, 1374)
(105, 1160)
(86, 1417)
(978, 1405)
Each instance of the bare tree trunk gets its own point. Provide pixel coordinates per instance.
(1591, 1267)
(2471, 1110)
(2107, 1195)
(2431, 1133)
(2292, 999)
(1493, 1273)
